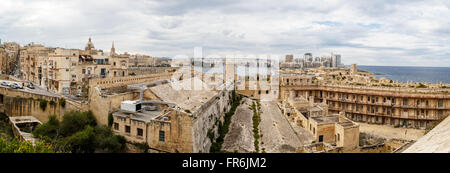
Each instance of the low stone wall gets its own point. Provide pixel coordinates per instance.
(127, 80)
(19, 103)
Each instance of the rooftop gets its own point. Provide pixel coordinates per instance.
(435, 141)
(180, 92)
(326, 119)
(145, 116)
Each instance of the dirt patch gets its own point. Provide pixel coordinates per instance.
(389, 132)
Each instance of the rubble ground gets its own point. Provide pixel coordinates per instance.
(389, 132)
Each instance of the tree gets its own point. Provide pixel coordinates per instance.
(17, 146)
(78, 132)
(62, 102)
(82, 141)
(75, 121)
(107, 141)
(110, 119)
(49, 129)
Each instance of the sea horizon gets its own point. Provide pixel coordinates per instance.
(410, 73)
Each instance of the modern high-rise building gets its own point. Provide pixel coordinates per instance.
(308, 57)
(335, 60)
(289, 58)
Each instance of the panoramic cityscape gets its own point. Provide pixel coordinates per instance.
(211, 85)
(138, 103)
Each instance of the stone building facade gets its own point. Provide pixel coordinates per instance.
(388, 107)
(180, 120)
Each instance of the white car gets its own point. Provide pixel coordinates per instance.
(16, 85)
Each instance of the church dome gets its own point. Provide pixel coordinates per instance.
(90, 45)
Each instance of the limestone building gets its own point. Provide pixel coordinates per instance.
(67, 71)
(173, 120)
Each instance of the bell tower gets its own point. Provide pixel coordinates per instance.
(113, 50)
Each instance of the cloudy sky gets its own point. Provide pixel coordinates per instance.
(380, 32)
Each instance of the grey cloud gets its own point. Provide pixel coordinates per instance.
(167, 28)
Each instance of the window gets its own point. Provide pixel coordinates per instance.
(338, 137)
(116, 126)
(321, 138)
(440, 103)
(140, 132)
(405, 102)
(161, 136)
(127, 129)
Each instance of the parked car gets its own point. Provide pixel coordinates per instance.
(4, 83)
(16, 86)
(30, 85)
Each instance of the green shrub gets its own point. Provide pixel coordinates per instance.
(82, 141)
(75, 121)
(110, 120)
(62, 102)
(256, 120)
(42, 104)
(3, 117)
(223, 128)
(18, 146)
(78, 132)
(52, 103)
(49, 129)
(107, 141)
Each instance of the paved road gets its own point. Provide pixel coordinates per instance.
(37, 90)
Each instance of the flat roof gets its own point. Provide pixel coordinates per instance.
(183, 93)
(326, 119)
(145, 116)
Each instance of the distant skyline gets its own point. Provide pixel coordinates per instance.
(379, 32)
